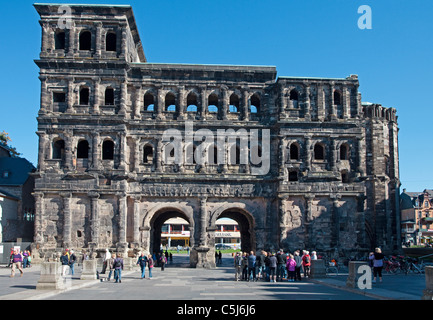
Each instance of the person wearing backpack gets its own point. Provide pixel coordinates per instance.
(306, 263)
(118, 267)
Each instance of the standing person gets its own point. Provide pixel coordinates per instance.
(281, 265)
(238, 266)
(162, 261)
(106, 258)
(16, 260)
(220, 257)
(150, 265)
(377, 258)
(260, 263)
(110, 265)
(306, 263)
(291, 266)
(244, 266)
(313, 255)
(118, 267)
(252, 266)
(64, 259)
(142, 261)
(267, 261)
(72, 260)
(273, 268)
(298, 267)
(25, 258)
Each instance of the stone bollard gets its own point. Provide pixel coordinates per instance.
(50, 278)
(317, 269)
(428, 291)
(89, 270)
(352, 279)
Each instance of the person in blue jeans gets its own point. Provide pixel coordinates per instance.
(150, 265)
(252, 266)
(118, 267)
(142, 261)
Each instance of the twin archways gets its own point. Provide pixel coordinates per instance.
(241, 216)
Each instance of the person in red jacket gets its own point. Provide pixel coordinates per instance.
(306, 263)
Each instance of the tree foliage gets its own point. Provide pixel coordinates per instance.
(4, 141)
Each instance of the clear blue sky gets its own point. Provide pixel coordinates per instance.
(316, 38)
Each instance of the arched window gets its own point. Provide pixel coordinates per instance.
(84, 96)
(148, 154)
(109, 96)
(170, 102)
(59, 40)
(191, 102)
(58, 149)
(108, 150)
(234, 103)
(111, 42)
(344, 152)
(344, 177)
(294, 98)
(149, 102)
(337, 98)
(293, 175)
(83, 150)
(294, 152)
(319, 152)
(85, 41)
(213, 103)
(255, 103)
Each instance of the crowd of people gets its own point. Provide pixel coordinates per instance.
(273, 267)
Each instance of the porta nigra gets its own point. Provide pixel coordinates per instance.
(124, 145)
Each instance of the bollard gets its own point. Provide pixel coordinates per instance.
(352, 279)
(50, 278)
(89, 270)
(428, 291)
(317, 269)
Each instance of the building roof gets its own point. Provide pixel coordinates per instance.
(14, 171)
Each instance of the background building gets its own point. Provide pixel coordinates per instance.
(327, 176)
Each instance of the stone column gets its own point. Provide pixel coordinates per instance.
(159, 104)
(346, 103)
(137, 155)
(308, 219)
(45, 39)
(46, 101)
(182, 103)
(123, 150)
(137, 104)
(203, 221)
(361, 163)
(39, 216)
(97, 99)
(98, 27)
(428, 291)
(42, 150)
(68, 151)
(332, 115)
(333, 153)
(123, 98)
(67, 219)
(225, 102)
(70, 97)
(308, 153)
(122, 221)
(203, 103)
(123, 41)
(283, 104)
(136, 240)
(71, 44)
(95, 151)
(320, 104)
(246, 105)
(94, 221)
(159, 159)
(307, 104)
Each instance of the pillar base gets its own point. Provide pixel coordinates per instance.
(202, 257)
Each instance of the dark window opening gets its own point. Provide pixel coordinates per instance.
(255, 104)
(294, 152)
(60, 40)
(83, 150)
(344, 152)
(213, 103)
(111, 42)
(344, 177)
(148, 154)
(234, 103)
(58, 149)
(294, 97)
(85, 41)
(108, 150)
(293, 176)
(319, 152)
(59, 97)
(337, 98)
(191, 102)
(109, 96)
(170, 102)
(84, 96)
(149, 102)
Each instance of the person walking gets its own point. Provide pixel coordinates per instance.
(72, 260)
(291, 266)
(162, 261)
(142, 261)
(64, 260)
(150, 265)
(273, 268)
(16, 260)
(238, 266)
(298, 267)
(306, 263)
(118, 267)
(377, 258)
(252, 266)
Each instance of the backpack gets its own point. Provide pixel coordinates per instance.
(117, 263)
(307, 259)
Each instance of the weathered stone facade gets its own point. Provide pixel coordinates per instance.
(107, 177)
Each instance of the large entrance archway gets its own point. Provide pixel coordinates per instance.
(156, 223)
(246, 227)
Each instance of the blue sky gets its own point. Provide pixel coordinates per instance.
(310, 38)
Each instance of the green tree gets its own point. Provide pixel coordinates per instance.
(4, 140)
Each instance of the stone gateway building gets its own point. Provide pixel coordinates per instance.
(126, 144)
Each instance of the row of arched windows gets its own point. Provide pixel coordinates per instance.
(85, 41)
(294, 98)
(58, 150)
(319, 152)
